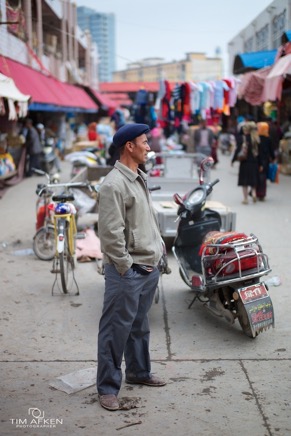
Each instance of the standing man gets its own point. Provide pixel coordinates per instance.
(33, 147)
(203, 139)
(132, 247)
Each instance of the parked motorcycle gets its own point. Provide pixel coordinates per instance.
(49, 159)
(224, 269)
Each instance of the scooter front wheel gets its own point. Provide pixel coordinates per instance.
(244, 320)
(44, 243)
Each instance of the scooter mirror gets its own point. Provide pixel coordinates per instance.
(178, 199)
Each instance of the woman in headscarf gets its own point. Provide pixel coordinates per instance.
(248, 169)
(265, 156)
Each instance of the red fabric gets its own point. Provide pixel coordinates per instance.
(89, 247)
(274, 80)
(220, 238)
(45, 89)
(251, 88)
(92, 136)
(186, 102)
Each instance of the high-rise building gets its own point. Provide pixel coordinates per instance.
(102, 29)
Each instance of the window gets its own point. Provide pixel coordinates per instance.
(279, 25)
(248, 45)
(262, 38)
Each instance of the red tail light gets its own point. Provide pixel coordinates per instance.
(196, 281)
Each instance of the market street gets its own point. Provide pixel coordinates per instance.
(220, 382)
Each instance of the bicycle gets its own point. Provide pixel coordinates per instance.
(65, 233)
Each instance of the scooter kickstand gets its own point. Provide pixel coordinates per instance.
(193, 301)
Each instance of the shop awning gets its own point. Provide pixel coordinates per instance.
(8, 89)
(130, 86)
(274, 80)
(286, 37)
(120, 98)
(105, 103)
(253, 61)
(47, 93)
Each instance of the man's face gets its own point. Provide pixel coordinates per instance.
(140, 149)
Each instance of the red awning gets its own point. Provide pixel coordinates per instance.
(104, 101)
(120, 98)
(45, 89)
(131, 86)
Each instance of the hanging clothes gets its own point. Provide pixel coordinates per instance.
(186, 105)
(165, 113)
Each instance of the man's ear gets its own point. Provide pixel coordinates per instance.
(129, 145)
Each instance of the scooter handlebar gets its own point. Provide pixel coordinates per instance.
(154, 188)
(214, 182)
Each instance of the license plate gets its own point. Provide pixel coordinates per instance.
(253, 293)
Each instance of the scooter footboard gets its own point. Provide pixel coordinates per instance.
(258, 306)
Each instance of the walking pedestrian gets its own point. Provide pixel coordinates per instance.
(265, 156)
(247, 153)
(132, 247)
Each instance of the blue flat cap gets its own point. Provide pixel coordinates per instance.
(128, 132)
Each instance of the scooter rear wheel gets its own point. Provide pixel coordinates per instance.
(244, 320)
(44, 243)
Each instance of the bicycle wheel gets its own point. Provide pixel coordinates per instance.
(44, 243)
(67, 266)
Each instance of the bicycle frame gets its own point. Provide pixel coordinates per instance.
(60, 228)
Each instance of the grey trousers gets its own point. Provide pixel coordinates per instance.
(124, 327)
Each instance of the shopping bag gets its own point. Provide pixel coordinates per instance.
(272, 172)
(277, 174)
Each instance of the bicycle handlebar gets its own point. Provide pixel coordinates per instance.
(67, 186)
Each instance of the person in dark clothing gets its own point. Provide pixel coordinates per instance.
(265, 156)
(275, 134)
(33, 146)
(248, 169)
(114, 154)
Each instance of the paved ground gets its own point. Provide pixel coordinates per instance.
(220, 382)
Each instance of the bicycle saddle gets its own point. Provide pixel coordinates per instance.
(63, 197)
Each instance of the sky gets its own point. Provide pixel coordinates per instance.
(169, 29)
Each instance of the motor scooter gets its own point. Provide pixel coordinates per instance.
(49, 159)
(223, 269)
(88, 158)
